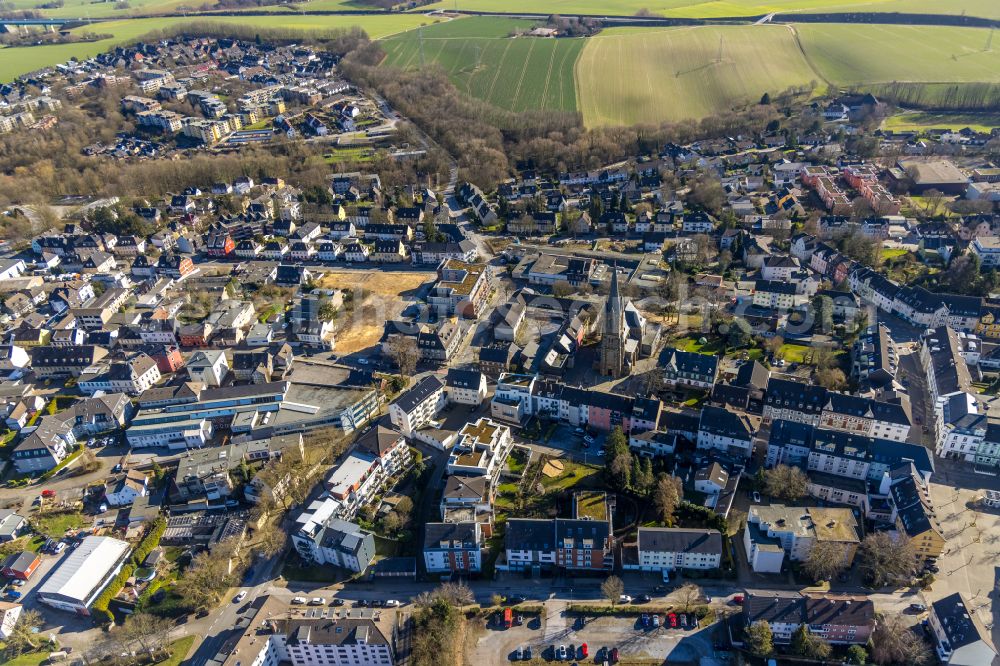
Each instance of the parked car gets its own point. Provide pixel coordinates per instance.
(673, 620)
(756, 497)
(561, 653)
(614, 655)
(527, 652)
(317, 601)
(589, 439)
(656, 621)
(337, 602)
(918, 608)
(583, 650)
(624, 599)
(240, 596)
(643, 599)
(645, 619)
(519, 654)
(298, 600)
(737, 599)
(392, 603)
(58, 548)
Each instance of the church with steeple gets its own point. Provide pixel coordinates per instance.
(626, 336)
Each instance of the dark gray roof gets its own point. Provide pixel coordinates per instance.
(793, 608)
(466, 533)
(962, 626)
(530, 534)
(464, 379)
(420, 392)
(670, 540)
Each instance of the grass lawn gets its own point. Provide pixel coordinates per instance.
(30, 659)
(482, 61)
(178, 651)
(573, 474)
(55, 526)
(386, 547)
(633, 75)
(794, 353)
(918, 121)
(889, 253)
(692, 344)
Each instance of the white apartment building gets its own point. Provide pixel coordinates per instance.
(481, 450)
(356, 481)
(418, 406)
(667, 549)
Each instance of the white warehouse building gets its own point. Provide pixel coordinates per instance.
(82, 576)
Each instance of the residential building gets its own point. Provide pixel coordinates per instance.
(9, 614)
(482, 449)
(337, 543)
(462, 289)
(725, 430)
(960, 637)
(836, 619)
(418, 405)
(453, 548)
(690, 369)
(777, 530)
(667, 549)
(311, 637)
(126, 490)
(465, 387)
(45, 447)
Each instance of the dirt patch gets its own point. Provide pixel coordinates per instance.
(384, 296)
(553, 468)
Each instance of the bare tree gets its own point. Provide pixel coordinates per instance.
(457, 594)
(786, 482)
(886, 559)
(403, 351)
(825, 561)
(270, 538)
(894, 642)
(612, 588)
(689, 594)
(145, 631)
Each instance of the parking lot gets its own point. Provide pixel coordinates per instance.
(555, 628)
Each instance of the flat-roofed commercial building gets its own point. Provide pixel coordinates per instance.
(83, 575)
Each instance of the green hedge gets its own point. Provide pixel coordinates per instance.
(625, 609)
(150, 541)
(99, 609)
(65, 461)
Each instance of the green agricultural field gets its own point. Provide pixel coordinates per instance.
(918, 121)
(865, 54)
(718, 8)
(627, 76)
(511, 73)
(19, 60)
